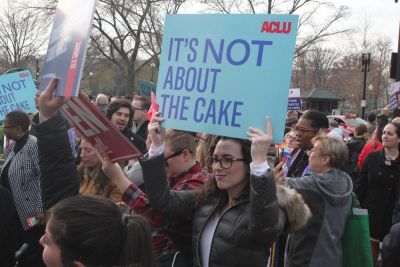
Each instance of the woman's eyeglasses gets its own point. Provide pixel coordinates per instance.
(303, 130)
(225, 162)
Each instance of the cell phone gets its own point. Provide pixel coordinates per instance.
(278, 156)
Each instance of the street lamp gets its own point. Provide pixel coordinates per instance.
(365, 62)
(37, 68)
(90, 82)
(370, 95)
(152, 66)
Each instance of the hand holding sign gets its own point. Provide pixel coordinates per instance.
(260, 142)
(153, 108)
(110, 169)
(156, 134)
(48, 102)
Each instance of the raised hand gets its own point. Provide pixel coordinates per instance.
(113, 171)
(260, 142)
(110, 169)
(279, 174)
(48, 102)
(156, 134)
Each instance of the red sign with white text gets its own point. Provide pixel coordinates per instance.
(98, 130)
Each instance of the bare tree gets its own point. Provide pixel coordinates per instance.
(125, 31)
(313, 69)
(22, 35)
(311, 28)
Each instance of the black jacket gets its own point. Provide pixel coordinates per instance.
(391, 247)
(59, 176)
(299, 164)
(136, 140)
(243, 234)
(143, 131)
(376, 190)
(9, 230)
(355, 145)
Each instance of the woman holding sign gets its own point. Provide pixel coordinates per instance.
(236, 216)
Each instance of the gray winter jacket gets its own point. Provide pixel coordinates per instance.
(320, 243)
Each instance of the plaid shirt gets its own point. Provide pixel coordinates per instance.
(162, 227)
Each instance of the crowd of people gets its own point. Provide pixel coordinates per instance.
(193, 199)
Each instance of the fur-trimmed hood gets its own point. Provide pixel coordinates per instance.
(296, 210)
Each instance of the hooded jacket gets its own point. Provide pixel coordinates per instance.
(319, 243)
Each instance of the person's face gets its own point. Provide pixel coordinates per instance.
(291, 141)
(51, 251)
(139, 113)
(389, 137)
(304, 133)
(233, 178)
(88, 154)
(11, 132)
(174, 161)
(317, 161)
(120, 118)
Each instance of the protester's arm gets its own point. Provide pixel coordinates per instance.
(267, 219)
(59, 177)
(171, 203)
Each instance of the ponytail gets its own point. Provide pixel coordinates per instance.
(136, 250)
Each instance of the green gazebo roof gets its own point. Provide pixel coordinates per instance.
(318, 93)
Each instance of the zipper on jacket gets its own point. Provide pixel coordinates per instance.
(219, 220)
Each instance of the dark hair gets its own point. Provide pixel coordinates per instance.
(317, 119)
(210, 188)
(19, 118)
(361, 129)
(96, 232)
(144, 101)
(371, 117)
(115, 105)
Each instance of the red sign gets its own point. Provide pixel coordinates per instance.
(153, 108)
(98, 130)
(276, 27)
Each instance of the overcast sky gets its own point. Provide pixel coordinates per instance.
(383, 14)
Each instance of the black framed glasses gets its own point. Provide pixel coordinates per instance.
(225, 162)
(172, 156)
(303, 130)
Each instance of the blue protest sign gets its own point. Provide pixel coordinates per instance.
(294, 101)
(145, 88)
(17, 92)
(220, 74)
(68, 43)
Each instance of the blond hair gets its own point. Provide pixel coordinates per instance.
(334, 148)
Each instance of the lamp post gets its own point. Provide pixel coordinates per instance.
(90, 82)
(370, 96)
(37, 68)
(365, 62)
(152, 66)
